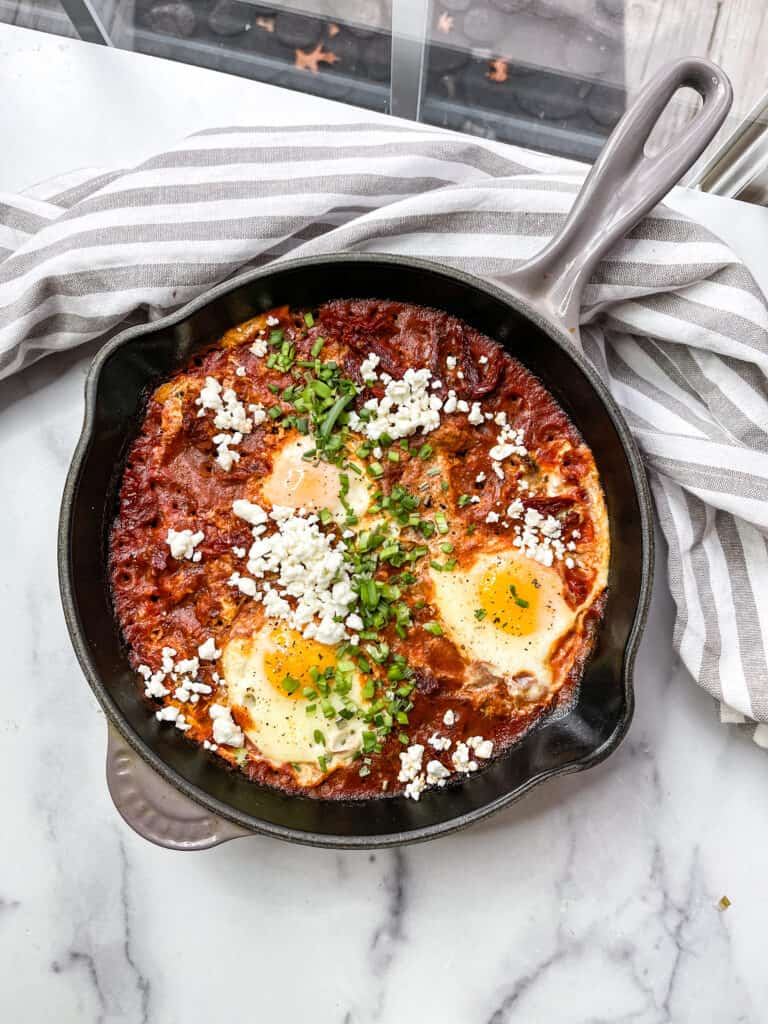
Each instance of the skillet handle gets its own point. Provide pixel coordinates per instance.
(622, 187)
(154, 809)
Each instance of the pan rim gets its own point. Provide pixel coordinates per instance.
(246, 821)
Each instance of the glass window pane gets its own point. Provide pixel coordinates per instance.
(340, 49)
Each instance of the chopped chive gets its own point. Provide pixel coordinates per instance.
(425, 452)
(464, 500)
(376, 470)
(309, 320)
(393, 456)
(318, 737)
(317, 348)
(446, 547)
(275, 412)
(518, 600)
(325, 516)
(405, 740)
(290, 685)
(323, 762)
(480, 614)
(441, 522)
(434, 628)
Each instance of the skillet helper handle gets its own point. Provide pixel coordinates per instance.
(156, 810)
(622, 187)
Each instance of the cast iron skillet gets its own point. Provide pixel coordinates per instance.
(173, 792)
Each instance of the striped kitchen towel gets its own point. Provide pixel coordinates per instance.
(672, 320)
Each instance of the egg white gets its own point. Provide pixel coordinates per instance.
(296, 482)
(281, 729)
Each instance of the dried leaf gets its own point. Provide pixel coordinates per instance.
(309, 61)
(445, 23)
(499, 71)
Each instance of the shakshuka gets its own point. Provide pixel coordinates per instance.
(359, 551)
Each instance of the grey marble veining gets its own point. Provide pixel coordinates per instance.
(593, 900)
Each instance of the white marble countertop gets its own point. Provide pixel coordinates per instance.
(593, 900)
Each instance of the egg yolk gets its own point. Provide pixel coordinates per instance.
(510, 600)
(289, 658)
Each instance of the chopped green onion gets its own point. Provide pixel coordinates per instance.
(480, 614)
(309, 320)
(290, 685)
(434, 628)
(318, 737)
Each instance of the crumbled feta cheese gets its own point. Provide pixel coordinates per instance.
(475, 415)
(438, 742)
(239, 552)
(451, 403)
(406, 407)
(461, 760)
(208, 650)
(509, 442)
(272, 321)
(225, 731)
(240, 371)
(437, 774)
(576, 534)
(569, 563)
(244, 584)
(415, 788)
(368, 367)
(183, 542)
(155, 687)
(498, 470)
(483, 360)
(172, 714)
(249, 511)
(450, 717)
(207, 745)
(410, 762)
(197, 557)
(224, 456)
(168, 654)
(462, 406)
(259, 347)
(482, 748)
(492, 517)
(190, 690)
(354, 621)
(480, 478)
(310, 569)
(540, 537)
(516, 509)
(460, 375)
(436, 385)
(450, 362)
(187, 667)
(570, 546)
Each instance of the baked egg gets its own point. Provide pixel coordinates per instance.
(274, 676)
(506, 612)
(299, 482)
